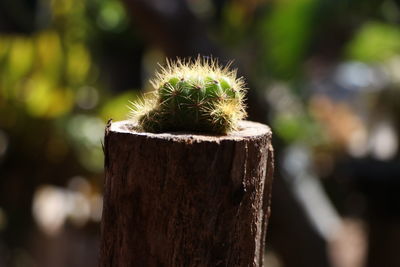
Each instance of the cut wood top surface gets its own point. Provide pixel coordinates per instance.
(246, 130)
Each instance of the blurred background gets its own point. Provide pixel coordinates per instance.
(324, 74)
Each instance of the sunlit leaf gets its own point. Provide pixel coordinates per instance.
(49, 54)
(112, 16)
(117, 107)
(292, 127)
(286, 35)
(20, 57)
(375, 41)
(42, 100)
(4, 47)
(78, 63)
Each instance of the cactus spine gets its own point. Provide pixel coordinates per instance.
(192, 95)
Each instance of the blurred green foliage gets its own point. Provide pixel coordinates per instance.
(55, 75)
(56, 95)
(61, 83)
(375, 42)
(51, 77)
(58, 75)
(286, 32)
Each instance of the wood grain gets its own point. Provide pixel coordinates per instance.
(184, 199)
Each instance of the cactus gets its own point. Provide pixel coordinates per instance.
(192, 95)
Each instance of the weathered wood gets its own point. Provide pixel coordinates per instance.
(181, 199)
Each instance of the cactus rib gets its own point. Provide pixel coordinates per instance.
(192, 95)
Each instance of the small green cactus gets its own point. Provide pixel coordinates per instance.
(192, 95)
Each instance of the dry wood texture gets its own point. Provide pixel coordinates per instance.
(181, 199)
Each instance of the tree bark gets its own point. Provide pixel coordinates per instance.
(182, 199)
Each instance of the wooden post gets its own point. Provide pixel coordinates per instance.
(182, 199)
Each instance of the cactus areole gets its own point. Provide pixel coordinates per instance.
(192, 95)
